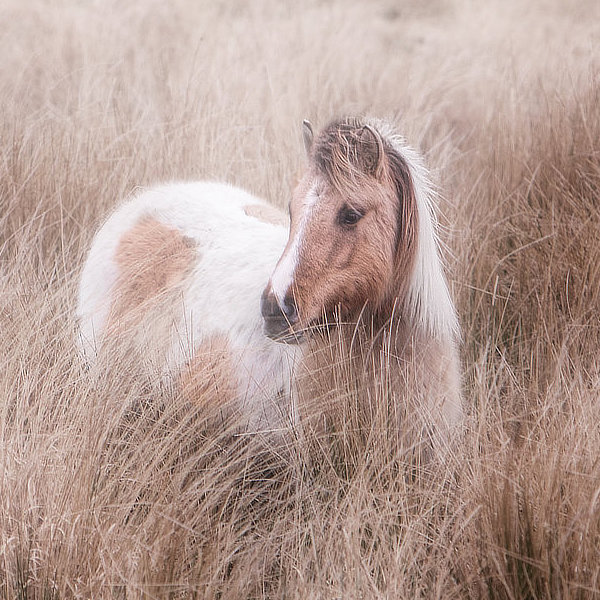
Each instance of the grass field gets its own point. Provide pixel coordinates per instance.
(113, 487)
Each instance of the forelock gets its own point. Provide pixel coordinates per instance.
(339, 154)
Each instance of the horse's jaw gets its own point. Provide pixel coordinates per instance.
(286, 337)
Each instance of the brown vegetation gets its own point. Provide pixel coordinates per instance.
(112, 485)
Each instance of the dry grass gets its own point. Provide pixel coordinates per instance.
(111, 486)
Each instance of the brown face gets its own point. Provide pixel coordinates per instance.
(339, 255)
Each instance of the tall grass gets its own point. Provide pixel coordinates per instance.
(112, 485)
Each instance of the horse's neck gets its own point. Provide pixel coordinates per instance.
(381, 339)
(418, 372)
(350, 362)
(364, 346)
(403, 352)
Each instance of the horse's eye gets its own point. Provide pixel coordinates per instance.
(349, 216)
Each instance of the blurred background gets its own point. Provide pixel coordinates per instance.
(99, 97)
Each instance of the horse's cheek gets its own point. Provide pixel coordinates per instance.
(370, 257)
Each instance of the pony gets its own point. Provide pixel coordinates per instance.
(236, 301)
(363, 254)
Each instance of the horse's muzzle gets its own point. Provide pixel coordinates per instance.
(279, 320)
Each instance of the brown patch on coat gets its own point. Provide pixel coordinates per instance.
(152, 258)
(209, 378)
(266, 213)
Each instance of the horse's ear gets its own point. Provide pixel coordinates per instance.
(307, 135)
(371, 151)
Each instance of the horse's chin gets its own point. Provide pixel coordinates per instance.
(283, 334)
(290, 338)
(294, 337)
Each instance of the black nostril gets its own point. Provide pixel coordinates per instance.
(272, 310)
(289, 309)
(279, 319)
(268, 306)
